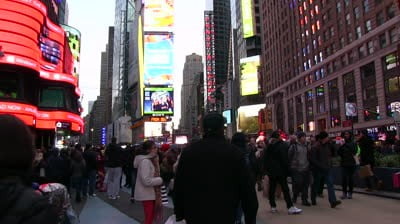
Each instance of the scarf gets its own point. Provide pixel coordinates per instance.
(158, 211)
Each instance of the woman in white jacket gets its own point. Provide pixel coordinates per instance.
(147, 179)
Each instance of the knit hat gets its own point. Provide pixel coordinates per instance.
(301, 134)
(213, 122)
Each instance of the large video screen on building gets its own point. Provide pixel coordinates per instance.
(247, 18)
(249, 75)
(158, 15)
(74, 40)
(248, 118)
(158, 100)
(158, 59)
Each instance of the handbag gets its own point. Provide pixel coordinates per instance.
(366, 171)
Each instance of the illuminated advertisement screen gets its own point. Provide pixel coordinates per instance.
(158, 59)
(247, 18)
(156, 129)
(74, 40)
(227, 116)
(210, 59)
(249, 75)
(158, 100)
(158, 15)
(248, 118)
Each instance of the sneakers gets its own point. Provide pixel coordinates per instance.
(274, 210)
(336, 203)
(294, 211)
(349, 196)
(112, 197)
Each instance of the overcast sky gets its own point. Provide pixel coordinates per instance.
(93, 18)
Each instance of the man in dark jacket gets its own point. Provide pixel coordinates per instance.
(347, 152)
(276, 165)
(19, 203)
(90, 156)
(367, 157)
(212, 177)
(113, 165)
(321, 161)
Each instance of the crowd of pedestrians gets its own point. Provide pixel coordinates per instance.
(211, 180)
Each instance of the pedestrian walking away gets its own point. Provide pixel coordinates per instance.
(213, 170)
(276, 165)
(113, 162)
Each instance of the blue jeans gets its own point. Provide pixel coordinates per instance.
(327, 174)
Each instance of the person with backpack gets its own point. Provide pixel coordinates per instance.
(299, 168)
(19, 202)
(276, 165)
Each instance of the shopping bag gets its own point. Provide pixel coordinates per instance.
(396, 180)
(172, 220)
(366, 171)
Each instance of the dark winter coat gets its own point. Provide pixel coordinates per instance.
(367, 151)
(321, 156)
(114, 156)
(20, 204)
(276, 158)
(212, 177)
(90, 157)
(347, 153)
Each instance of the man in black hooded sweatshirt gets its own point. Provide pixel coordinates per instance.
(19, 203)
(212, 178)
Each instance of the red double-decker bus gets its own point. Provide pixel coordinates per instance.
(36, 72)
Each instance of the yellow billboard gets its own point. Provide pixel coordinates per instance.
(249, 75)
(247, 18)
(158, 15)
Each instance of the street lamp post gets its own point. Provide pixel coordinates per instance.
(396, 116)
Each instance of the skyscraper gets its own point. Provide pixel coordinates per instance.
(322, 58)
(193, 68)
(217, 22)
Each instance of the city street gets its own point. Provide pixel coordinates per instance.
(361, 209)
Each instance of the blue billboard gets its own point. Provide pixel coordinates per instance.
(158, 59)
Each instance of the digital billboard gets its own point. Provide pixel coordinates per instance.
(210, 60)
(158, 15)
(249, 75)
(247, 18)
(74, 40)
(248, 118)
(158, 59)
(158, 100)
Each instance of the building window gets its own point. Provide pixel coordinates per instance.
(9, 85)
(348, 79)
(368, 26)
(389, 62)
(350, 37)
(390, 11)
(368, 70)
(382, 40)
(377, 2)
(366, 6)
(356, 11)
(380, 18)
(394, 85)
(362, 52)
(348, 19)
(339, 7)
(343, 60)
(52, 98)
(320, 91)
(358, 32)
(342, 42)
(346, 3)
(332, 30)
(332, 84)
(393, 35)
(334, 104)
(370, 93)
(370, 47)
